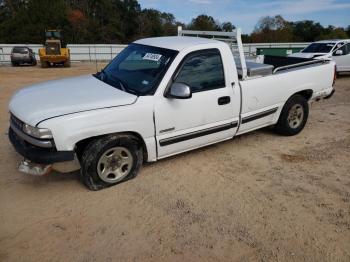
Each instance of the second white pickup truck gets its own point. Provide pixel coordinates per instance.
(337, 50)
(160, 97)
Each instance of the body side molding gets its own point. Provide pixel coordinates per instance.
(192, 135)
(259, 115)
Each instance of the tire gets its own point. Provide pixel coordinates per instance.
(66, 63)
(293, 117)
(14, 64)
(110, 160)
(44, 64)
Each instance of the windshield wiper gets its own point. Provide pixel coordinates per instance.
(104, 77)
(124, 87)
(100, 75)
(121, 83)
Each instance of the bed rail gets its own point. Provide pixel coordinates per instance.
(315, 61)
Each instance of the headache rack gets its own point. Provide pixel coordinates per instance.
(271, 65)
(232, 38)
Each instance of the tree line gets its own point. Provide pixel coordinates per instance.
(123, 21)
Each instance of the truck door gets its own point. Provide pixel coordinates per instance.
(209, 116)
(342, 60)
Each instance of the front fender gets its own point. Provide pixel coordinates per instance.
(68, 130)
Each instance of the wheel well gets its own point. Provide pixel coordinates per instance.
(82, 144)
(307, 94)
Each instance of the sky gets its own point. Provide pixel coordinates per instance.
(245, 14)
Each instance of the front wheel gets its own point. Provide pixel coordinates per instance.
(293, 117)
(110, 160)
(45, 64)
(66, 63)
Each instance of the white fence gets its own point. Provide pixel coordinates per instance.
(94, 52)
(102, 52)
(78, 52)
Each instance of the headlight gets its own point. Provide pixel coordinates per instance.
(42, 133)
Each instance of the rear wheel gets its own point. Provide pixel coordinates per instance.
(293, 117)
(110, 160)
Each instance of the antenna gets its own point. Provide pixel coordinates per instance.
(94, 14)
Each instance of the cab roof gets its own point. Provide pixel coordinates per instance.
(333, 41)
(177, 42)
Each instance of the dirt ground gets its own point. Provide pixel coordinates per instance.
(258, 197)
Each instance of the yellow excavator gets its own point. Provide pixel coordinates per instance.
(53, 53)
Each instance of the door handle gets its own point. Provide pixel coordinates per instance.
(224, 100)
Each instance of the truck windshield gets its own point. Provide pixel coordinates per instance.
(318, 48)
(138, 69)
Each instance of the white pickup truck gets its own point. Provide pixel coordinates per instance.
(157, 98)
(337, 50)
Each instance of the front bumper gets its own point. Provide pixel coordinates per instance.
(37, 154)
(54, 58)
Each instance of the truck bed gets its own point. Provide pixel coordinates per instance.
(279, 61)
(273, 64)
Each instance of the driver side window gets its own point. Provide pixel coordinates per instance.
(202, 71)
(345, 48)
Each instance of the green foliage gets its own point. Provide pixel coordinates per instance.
(154, 23)
(27, 21)
(276, 29)
(272, 29)
(227, 26)
(332, 32)
(307, 31)
(123, 21)
(205, 23)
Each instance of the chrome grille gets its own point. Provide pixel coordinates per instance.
(17, 128)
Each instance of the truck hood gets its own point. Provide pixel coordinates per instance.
(66, 96)
(310, 55)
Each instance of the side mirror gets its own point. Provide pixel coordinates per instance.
(179, 91)
(338, 52)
